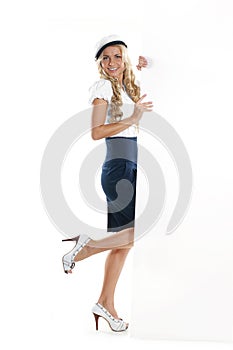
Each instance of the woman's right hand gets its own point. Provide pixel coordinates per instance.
(141, 107)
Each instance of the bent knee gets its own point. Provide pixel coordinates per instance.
(124, 249)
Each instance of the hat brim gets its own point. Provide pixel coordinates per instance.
(111, 43)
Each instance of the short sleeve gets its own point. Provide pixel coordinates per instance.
(100, 89)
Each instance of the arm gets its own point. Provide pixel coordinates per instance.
(101, 130)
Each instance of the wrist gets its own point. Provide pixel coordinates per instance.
(132, 119)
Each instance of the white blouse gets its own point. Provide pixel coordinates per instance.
(103, 89)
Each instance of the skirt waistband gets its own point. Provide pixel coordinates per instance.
(121, 147)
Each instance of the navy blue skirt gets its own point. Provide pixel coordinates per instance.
(118, 180)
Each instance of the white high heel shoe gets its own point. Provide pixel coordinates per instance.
(68, 259)
(116, 325)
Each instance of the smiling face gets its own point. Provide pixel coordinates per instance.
(112, 62)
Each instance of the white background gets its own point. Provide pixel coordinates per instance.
(47, 66)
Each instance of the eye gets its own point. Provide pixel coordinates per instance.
(105, 58)
(118, 56)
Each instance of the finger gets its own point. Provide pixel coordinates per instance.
(146, 104)
(141, 98)
(143, 60)
(148, 108)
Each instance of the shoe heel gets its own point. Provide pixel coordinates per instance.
(70, 239)
(68, 259)
(96, 321)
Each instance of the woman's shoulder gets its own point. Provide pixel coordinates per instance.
(101, 88)
(101, 84)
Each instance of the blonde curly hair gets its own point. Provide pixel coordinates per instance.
(132, 89)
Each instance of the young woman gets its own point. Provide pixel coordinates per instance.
(109, 96)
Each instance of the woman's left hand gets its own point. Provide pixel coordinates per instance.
(142, 62)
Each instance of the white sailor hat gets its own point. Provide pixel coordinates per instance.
(108, 41)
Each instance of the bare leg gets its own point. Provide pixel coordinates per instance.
(123, 239)
(120, 245)
(113, 267)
